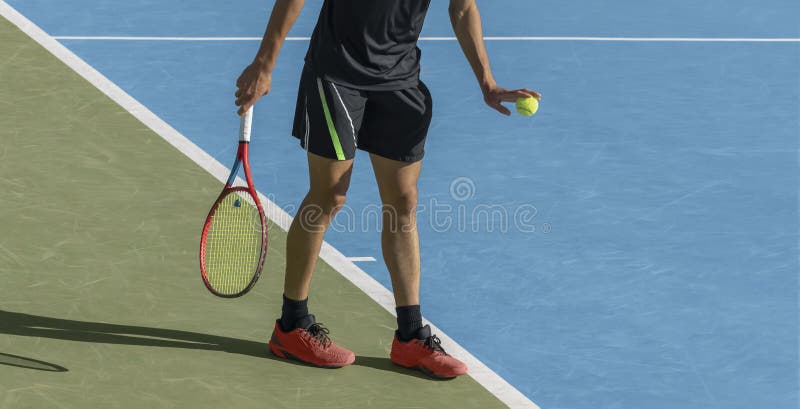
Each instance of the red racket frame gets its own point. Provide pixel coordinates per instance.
(243, 160)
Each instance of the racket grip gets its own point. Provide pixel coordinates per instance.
(245, 126)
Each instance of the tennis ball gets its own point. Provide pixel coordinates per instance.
(527, 106)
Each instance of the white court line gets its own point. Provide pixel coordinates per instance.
(613, 39)
(145, 38)
(490, 380)
(354, 259)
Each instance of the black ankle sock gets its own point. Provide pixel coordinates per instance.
(409, 320)
(292, 312)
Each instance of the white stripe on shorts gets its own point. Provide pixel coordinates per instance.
(305, 110)
(353, 128)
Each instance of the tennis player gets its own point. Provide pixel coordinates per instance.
(360, 89)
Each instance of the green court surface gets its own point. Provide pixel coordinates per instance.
(102, 303)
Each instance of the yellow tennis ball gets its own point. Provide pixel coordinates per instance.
(527, 106)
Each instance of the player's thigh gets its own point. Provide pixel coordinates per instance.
(397, 180)
(328, 177)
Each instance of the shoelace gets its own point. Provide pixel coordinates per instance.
(320, 333)
(434, 343)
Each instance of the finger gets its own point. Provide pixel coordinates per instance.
(244, 107)
(522, 93)
(249, 102)
(532, 93)
(500, 108)
(512, 96)
(243, 98)
(238, 93)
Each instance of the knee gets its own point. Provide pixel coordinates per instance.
(329, 201)
(403, 204)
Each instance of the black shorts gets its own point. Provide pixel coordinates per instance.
(333, 120)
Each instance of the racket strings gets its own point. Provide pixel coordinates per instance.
(233, 243)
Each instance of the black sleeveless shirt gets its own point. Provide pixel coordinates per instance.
(368, 44)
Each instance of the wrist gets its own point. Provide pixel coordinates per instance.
(487, 84)
(263, 64)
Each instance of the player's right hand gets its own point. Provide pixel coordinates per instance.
(254, 83)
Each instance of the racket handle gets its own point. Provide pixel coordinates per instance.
(245, 125)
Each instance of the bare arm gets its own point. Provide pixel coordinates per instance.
(466, 20)
(256, 79)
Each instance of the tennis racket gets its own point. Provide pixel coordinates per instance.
(234, 240)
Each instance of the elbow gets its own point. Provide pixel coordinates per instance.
(456, 13)
(459, 10)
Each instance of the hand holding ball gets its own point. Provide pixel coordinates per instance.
(527, 106)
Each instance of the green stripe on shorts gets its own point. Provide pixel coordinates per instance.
(332, 129)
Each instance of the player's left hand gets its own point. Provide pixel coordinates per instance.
(495, 96)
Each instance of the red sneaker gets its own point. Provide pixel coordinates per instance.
(311, 345)
(425, 353)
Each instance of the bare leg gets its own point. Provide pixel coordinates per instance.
(397, 183)
(413, 345)
(329, 180)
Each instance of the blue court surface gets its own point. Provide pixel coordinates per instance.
(633, 245)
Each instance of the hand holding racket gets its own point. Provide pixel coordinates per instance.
(233, 245)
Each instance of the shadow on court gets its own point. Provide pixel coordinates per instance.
(29, 363)
(14, 323)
